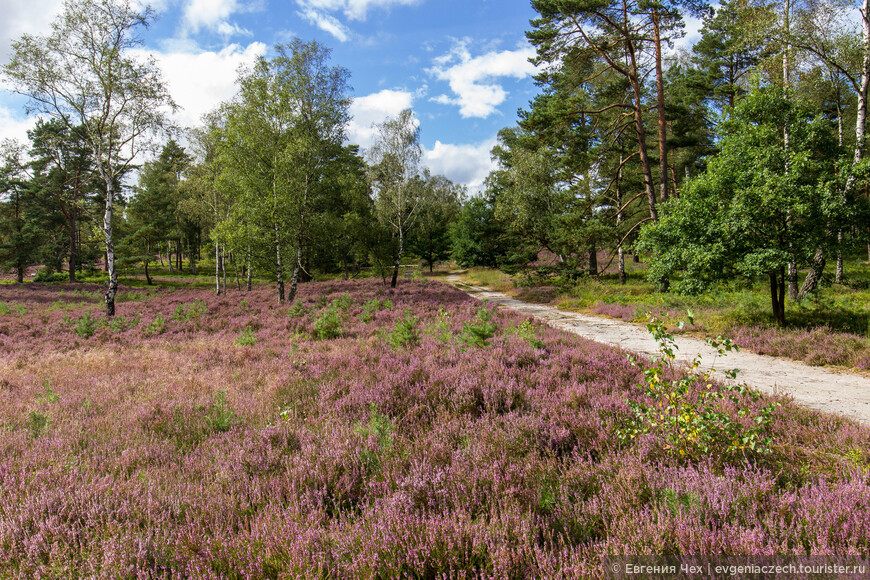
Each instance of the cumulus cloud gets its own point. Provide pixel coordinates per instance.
(214, 16)
(375, 108)
(353, 9)
(465, 164)
(200, 80)
(15, 126)
(474, 80)
(320, 13)
(326, 23)
(32, 17)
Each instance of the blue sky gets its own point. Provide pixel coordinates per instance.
(461, 65)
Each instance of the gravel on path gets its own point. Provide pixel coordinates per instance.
(817, 388)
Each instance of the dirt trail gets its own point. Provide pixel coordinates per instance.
(814, 387)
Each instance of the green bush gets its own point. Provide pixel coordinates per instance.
(479, 332)
(8, 309)
(43, 275)
(405, 333)
(86, 325)
(221, 417)
(196, 309)
(298, 310)
(687, 415)
(440, 329)
(528, 332)
(328, 324)
(157, 326)
(247, 338)
(120, 324)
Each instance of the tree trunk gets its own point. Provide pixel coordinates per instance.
(622, 278)
(73, 257)
(224, 270)
(642, 150)
(839, 277)
(814, 276)
(248, 274)
(777, 296)
(217, 269)
(398, 260)
(279, 266)
(147, 275)
(169, 256)
(294, 282)
(593, 260)
(110, 247)
(662, 121)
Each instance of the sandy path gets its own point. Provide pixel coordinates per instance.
(813, 387)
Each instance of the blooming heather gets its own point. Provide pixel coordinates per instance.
(166, 447)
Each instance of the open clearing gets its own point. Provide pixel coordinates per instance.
(843, 393)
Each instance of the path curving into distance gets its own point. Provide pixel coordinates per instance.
(814, 387)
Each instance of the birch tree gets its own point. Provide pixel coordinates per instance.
(283, 134)
(84, 73)
(395, 162)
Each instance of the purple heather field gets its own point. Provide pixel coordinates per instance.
(365, 432)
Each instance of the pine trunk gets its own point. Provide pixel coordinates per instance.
(662, 121)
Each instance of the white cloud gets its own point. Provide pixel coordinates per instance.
(326, 23)
(13, 126)
(31, 17)
(692, 33)
(353, 9)
(473, 79)
(199, 81)
(319, 13)
(214, 15)
(466, 164)
(375, 108)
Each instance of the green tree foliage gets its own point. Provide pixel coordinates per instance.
(83, 74)
(154, 211)
(762, 204)
(282, 135)
(442, 199)
(19, 231)
(62, 163)
(394, 165)
(478, 238)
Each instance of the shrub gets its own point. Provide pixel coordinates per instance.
(197, 308)
(372, 306)
(528, 332)
(44, 275)
(405, 332)
(157, 326)
(379, 431)
(38, 423)
(221, 417)
(328, 324)
(120, 324)
(247, 338)
(441, 328)
(689, 415)
(478, 333)
(298, 310)
(8, 309)
(86, 325)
